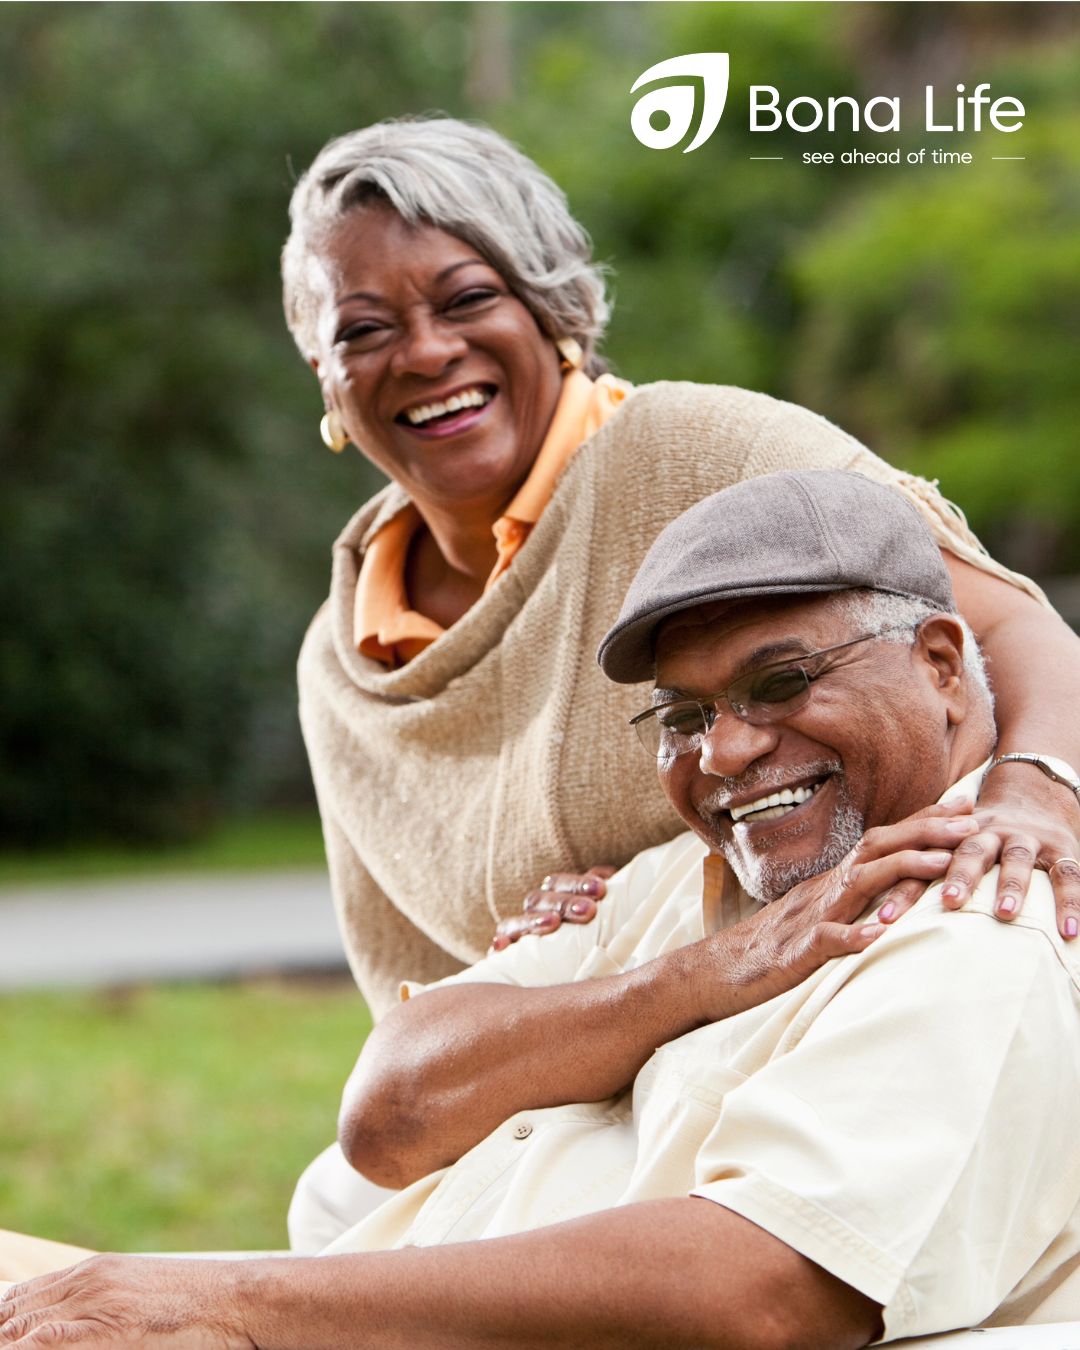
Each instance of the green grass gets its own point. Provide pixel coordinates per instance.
(170, 1118)
(284, 839)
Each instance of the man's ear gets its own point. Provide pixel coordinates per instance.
(939, 644)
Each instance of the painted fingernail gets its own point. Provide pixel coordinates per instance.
(547, 883)
(590, 886)
(580, 907)
(887, 911)
(544, 920)
(1070, 927)
(1006, 904)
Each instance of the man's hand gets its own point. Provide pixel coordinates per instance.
(110, 1301)
(568, 897)
(788, 939)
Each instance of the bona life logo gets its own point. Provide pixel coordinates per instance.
(691, 97)
(690, 93)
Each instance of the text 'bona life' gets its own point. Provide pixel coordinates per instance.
(974, 111)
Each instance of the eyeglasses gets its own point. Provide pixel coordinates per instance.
(768, 694)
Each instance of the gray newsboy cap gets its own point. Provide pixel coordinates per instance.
(780, 534)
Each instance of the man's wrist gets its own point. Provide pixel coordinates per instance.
(705, 980)
(265, 1295)
(672, 991)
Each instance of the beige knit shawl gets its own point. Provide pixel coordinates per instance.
(450, 787)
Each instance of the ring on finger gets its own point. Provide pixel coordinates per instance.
(1074, 861)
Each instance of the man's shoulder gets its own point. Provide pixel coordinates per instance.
(662, 865)
(984, 943)
(652, 904)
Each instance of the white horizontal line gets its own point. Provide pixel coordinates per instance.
(766, 156)
(1008, 156)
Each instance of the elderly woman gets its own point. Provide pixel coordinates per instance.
(462, 741)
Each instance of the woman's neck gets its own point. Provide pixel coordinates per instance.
(463, 538)
(449, 562)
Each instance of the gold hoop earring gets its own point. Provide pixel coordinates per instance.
(333, 433)
(573, 358)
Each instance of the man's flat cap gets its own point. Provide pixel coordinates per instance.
(780, 534)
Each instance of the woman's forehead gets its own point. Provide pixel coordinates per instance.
(373, 234)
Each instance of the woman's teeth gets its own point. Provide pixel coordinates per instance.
(426, 412)
(776, 804)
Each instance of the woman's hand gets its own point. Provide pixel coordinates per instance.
(1025, 821)
(562, 896)
(109, 1301)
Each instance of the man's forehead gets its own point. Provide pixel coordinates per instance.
(730, 635)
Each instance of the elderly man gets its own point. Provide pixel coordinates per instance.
(820, 1152)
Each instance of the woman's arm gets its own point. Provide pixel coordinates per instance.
(1033, 660)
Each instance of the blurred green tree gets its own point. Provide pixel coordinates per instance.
(167, 508)
(939, 317)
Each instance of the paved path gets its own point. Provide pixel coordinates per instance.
(194, 926)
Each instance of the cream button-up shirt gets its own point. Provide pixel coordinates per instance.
(906, 1117)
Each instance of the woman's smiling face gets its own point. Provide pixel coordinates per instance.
(439, 372)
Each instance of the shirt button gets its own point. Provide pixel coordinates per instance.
(522, 1131)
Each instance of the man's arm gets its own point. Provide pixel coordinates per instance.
(441, 1071)
(669, 1272)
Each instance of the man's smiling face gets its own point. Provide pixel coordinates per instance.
(785, 801)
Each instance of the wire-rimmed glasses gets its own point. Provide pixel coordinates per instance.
(768, 694)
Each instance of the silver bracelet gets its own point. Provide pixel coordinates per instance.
(1056, 769)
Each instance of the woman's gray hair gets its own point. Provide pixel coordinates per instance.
(469, 181)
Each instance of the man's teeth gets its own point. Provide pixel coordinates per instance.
(776, 804)
(468, 398)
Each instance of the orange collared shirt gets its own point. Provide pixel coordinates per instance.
(385, 626)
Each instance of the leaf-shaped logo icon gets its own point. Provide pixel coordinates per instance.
(691, 98)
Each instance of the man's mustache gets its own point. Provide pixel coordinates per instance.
(758, 782)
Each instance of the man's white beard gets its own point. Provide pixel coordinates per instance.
(766, 879)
